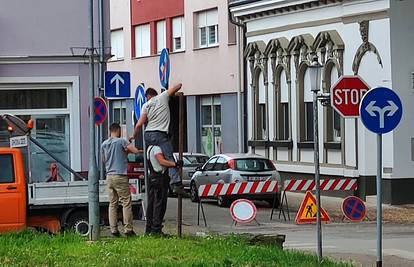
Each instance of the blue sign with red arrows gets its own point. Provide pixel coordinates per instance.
(354, 208)
(101, 110)
(164, 68)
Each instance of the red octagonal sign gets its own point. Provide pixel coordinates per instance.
(346, 94)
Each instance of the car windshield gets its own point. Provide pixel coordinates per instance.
(254, 165)
(190, 160)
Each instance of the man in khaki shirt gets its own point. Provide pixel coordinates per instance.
(114, 155)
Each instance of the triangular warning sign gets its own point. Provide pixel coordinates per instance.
(308, 210)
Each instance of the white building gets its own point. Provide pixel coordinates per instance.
(365, 37)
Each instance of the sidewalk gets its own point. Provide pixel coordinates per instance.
(391, 214)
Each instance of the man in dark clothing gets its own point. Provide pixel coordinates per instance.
(156, 114)
(158, 188)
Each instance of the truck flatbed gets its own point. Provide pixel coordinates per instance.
(73, 192)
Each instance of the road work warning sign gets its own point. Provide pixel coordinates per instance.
(308, 210)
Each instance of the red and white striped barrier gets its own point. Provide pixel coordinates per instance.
(347, 184)
(210, 190)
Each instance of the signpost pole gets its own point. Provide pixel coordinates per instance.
(144, 145)
(379, 200)
(315, 78)
(317, 174)
(180, 156)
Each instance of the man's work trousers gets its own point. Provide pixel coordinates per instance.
(161, 139)
(118, 189)
(157, 202)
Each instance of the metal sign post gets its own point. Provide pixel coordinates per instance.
(180, 155)
(140, 100)
(315, 81)
(381, 111)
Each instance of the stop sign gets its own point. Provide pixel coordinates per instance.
(347, 93)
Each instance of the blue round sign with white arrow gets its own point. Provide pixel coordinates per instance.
(164, 68)
(140, 100)
(381, 110)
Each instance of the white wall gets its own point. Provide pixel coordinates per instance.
(344, 19)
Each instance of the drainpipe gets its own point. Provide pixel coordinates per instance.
(240, 38)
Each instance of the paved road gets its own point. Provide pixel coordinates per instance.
(348, 241)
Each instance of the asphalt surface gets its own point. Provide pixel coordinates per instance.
(347, 241)
(342, 240)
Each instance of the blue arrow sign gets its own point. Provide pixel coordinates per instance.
(381, 110)
(117, 84)
(140, 100)
(164, 68)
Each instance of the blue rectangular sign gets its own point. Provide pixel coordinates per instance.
(117, 84)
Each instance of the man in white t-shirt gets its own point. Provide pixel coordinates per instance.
(157, 189)
(156, 114)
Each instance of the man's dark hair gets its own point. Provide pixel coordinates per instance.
(151, 92)
(114, 127)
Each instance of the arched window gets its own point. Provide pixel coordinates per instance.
(333, 119)
(305, 105)
(282, 107)
(260, 108)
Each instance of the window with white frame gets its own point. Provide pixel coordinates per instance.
(161, 36)
(208, 34)
(306, 113)
(283, 110)
(117, 44)
(50, 110)
(119, 114)
(178, 34)
(211, 125)
(142, 40)
(261, 114)
(333, 119)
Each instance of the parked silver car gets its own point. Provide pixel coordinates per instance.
(230, 168)
(191, 162)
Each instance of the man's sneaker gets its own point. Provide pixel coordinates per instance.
(115, 234)
(130, 234)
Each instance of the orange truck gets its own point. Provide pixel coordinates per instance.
(52, 206)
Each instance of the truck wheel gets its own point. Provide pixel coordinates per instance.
(78, 222)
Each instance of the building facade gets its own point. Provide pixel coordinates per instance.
(44, 76)
(201, 41)
(366, 38)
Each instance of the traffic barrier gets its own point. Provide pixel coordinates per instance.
(347, 184)
(241, 188)
(301, 185)
(210, 190)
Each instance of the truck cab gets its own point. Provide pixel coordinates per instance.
(52, 206)
(13, 190)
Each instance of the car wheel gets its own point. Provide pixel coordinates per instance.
(222, 201)
(194, 193)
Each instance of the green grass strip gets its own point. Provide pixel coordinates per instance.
(36, 249)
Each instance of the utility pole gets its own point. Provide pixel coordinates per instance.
(93, 179)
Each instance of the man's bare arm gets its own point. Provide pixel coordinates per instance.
(132, 149)
(163, 161)
(171, 91)
(138, 127)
